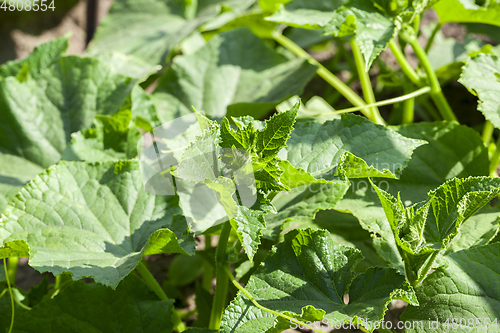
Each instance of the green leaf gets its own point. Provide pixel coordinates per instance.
(309, 275)
(373, 29)
(464, 289)
(274, 136)
(129, 308)
(318, 148)
(467, 11)
(481, 76)
(38, 117)
(311, 14)
(251, 78)
(151, 32)
(89, 220)
(43, 56)
(112, 138)
(126, 64)
(428, 227)
(478, 230)
(462, 154)
(15, 172)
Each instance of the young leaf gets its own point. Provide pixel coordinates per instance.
(481, 75)
(308, 275)
(467, 11)
(89, 219)
(246, 71)
(274, 136)
(424, 229)
(466, 289)
(463, 154)
(95, 308)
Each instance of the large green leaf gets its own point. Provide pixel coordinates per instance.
(467, 11)
(465, 291)
(426, 228)
(42, 57)
(90, 220)
(235, 72)
(308, 276)
(84, 307)
(150, 31)
(463, 154)
(318, 148)
(15, 172)
(38, 117)
(481, 75)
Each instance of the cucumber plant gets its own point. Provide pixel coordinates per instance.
(348, 212)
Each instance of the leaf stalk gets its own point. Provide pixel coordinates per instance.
(221, 264)
(364, 79)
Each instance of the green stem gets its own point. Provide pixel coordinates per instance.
(495, 160)
(151, 282)
(12, 264)
(328, 76)
(487, 133)
(364, 79)
(414, 94)
(404, 64)
(436, 92)
(221, 264)
(408, 105)
(11, 295)
(432, 36)
(426, 269)
(208, 269)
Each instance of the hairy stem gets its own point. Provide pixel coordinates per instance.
(151, 282)
(414, 94)
(221, 264)
(328, 76)
(364, 79)
(11, 295)
(436, 92)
